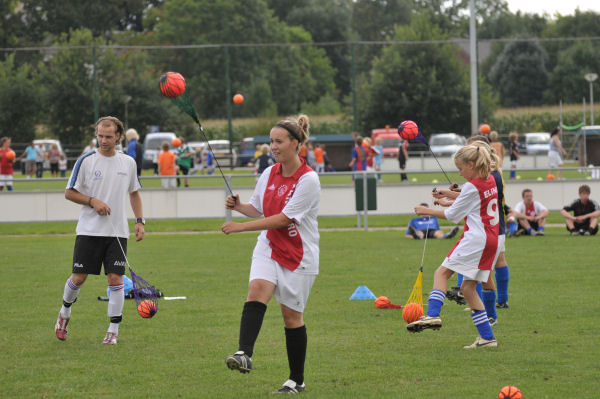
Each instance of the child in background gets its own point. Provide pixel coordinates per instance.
(476, 251)
(319, 158)
(166, 166)
(513, 151)
(378, 148)
(62, 165)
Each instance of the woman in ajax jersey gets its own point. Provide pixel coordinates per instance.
(285, 261)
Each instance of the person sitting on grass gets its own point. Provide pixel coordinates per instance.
(421, 226)
(584, 220)
(531, 215)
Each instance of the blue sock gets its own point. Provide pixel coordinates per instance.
(502, 283)
(529, 230)
(482, 323)
(513, 173)
(434, 305)
(459, 279)
(541, 228)
(513, 227)
(479, 289)
(489, 301)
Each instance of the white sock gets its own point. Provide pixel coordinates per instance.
(115, 306)
(69, 295)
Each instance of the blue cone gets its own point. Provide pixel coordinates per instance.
(362, 292)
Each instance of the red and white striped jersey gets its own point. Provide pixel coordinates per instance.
(477, 204)
(296, 246)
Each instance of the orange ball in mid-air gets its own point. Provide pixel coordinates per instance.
(147, 309)
(550, 177)
(172, 84)
(238, 99)
(485, 128)
(176, 142)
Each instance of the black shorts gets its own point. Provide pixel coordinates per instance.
(430, 233)
(183, 170)
(54, 167)
(534, 225)
(91, 252)
(585, 226)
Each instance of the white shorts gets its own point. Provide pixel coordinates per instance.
(501, 244)
(6, 180)
(468, 273)
(513, 163)
(554, 159)
(291, 288)
(168, 182)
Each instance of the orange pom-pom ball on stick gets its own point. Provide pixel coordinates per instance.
(146, 309)
(408, 130)
(172, 84)
(238, 99)
(510, 392)
(176, 142)
(485, 128)
(10, 155)
(412, 312)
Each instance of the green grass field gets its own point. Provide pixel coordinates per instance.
(548, 344)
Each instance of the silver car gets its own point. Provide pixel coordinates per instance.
(537, 143)
(445, 144)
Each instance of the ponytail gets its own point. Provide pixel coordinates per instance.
(479, 155)
(297, 130)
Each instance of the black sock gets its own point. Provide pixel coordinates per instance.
(252, 318)
(295, 342)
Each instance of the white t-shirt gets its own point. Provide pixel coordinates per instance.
(302, 207)
(534, 210)
(108, 179)
(477, 203)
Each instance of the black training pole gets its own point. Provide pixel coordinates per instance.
(439, 164)
(217, 162)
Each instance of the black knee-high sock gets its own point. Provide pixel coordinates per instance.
(252, 318)
(295, 342)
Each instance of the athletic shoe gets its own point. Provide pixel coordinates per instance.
(291, 387)
(454, 294)
(533, 233)
(492, 321)
(540, 232)
(435, 323)
(239, 361)
(110, 339)
(413, 233)
(574, 233)
(586, 233)
(482, 343)
(61, 328)
(452, 232)
(502, 305)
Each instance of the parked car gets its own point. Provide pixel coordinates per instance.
(151, 143)
(48, 143)
(390, 140)
(537, 143)
(446, 143)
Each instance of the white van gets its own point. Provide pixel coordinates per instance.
(152, 142)
(48, 143)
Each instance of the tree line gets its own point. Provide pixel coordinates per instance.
(383, 60)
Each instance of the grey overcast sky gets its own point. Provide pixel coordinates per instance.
(564, 7)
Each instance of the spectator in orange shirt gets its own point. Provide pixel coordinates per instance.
(166, 166)
(303, 152)
(319, 158)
